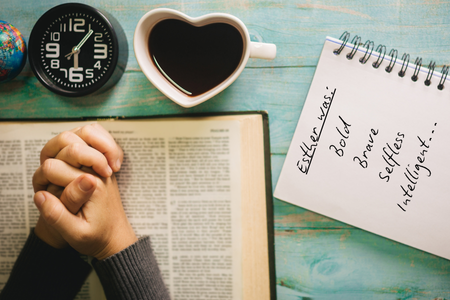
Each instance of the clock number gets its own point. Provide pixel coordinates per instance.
(98, 65)
(98, 37)
(76, 25)
(65, 72)
(103, 49)
(54, 36)
(53, 48)
(54, 64)
(75, 77)
(89, 73)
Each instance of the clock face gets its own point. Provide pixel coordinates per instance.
(74, 49)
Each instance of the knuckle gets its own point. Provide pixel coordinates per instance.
(86, 130)
(74, 149)
(47, 166)
(65, 137)
(70, 199)
(96, 126)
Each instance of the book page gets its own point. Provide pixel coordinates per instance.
(180, 184)
(20, 148)
(370, 149)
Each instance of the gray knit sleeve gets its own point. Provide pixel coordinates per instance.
(132, 273)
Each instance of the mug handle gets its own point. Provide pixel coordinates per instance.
(263, 50)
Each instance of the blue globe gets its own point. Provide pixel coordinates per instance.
(12, 52)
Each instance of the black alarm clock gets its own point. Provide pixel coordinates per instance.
(75, 50)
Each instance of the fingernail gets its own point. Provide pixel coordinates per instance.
(118, 164)
(109, 171)
(39, 199)
(86, 184)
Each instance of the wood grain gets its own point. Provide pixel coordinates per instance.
(316, 257)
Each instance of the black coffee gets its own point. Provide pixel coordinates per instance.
(195, 59)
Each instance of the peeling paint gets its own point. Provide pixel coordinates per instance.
(334, 8)
(302, 218)
(345, 235)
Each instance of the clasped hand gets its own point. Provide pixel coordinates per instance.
(77, 194)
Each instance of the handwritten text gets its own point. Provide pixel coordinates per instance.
(344, 134)
(364, 162)
(412, 173)
(390, 153)
(309, 148)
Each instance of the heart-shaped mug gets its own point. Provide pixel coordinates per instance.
(193, 59)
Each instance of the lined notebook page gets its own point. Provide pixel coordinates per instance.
(372, 149)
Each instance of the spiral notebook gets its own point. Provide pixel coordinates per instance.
(372, 145)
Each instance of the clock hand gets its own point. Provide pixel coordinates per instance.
(77, 48)
(81, 43)
(75, 59)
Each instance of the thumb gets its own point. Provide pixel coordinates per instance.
(78, 192)
(54, 213)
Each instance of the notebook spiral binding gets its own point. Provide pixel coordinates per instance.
(393, 54)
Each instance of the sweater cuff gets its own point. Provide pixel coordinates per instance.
(132, 273)
(53, 273)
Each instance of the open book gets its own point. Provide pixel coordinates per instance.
(199, 186)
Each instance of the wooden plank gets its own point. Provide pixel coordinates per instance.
(321, 258)
(298, 29)
(316, 257)
(280, 91)
(346, 263)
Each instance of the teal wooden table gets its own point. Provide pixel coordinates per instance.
(316, 257)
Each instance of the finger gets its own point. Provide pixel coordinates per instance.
(78, 192)
(56, 172)
(59, 142)
(54, 213)
(78, 155)
(97, 137)
(49, 235)
(55, 190)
